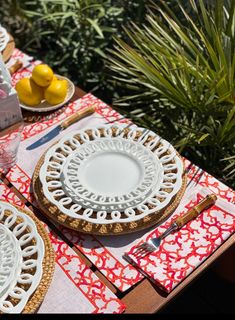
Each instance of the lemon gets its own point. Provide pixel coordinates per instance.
(29, 92)
(42, 75)
(56, 92)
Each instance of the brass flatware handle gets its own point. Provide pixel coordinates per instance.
(16, 66)
(205, 203)
(78, 115)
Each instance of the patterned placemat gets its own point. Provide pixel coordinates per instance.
(114, 228)
(75, 288)
(48, 266)
(181, 252)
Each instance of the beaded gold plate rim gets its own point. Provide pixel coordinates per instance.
(83, 226)
(48, 265)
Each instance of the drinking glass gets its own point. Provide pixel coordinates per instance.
(11, 126)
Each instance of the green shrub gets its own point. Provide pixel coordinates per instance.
(180, 78)
(71, 35)
(176, 75)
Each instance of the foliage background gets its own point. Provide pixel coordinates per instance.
(73, 37)
(179, 68)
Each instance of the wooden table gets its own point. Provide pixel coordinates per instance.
(144, 297)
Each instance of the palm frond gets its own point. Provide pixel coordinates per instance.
(188, 60)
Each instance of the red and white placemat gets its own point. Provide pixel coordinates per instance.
(107, 260)
(105, 252)
(74, 288)
(25, 59)
(183, 251)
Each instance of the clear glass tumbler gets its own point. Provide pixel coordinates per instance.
(10, 135)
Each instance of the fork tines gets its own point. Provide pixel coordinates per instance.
(142, 250)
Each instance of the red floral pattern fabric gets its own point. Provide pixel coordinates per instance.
(181, 252)
(76, 271)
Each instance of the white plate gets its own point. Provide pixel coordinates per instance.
(44, 106)
(18, 258)
(111, 177)
(4, 38)
(110, 174)
(10, 258)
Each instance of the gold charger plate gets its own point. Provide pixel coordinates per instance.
(48, 265)
(52, 211)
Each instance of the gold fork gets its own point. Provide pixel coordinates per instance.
(152, 244)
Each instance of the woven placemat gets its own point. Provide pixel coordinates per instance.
(48, 266)
(83, 226)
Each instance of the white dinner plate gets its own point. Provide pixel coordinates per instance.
(10, 259)
(103, 175)
(21, 257)
(44, 106)
(111, 175)
(4, 38)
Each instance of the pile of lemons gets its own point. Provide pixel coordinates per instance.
(42, 85)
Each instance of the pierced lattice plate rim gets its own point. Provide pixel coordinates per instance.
(114, 228)
(4, 38)
(158, 198)
(28, 267)
(10, 259)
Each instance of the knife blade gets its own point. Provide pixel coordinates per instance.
(63, 125)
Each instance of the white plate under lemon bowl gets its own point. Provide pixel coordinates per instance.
(44, 106)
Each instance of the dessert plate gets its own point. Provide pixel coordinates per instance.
(111, 175)
(22, 252)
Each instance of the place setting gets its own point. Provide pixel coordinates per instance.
(111, 180)
(102, 212)
(108, 179)
(116, 180)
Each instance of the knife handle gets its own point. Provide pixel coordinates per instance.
(16, 66)
(76, 116)
(208, 201)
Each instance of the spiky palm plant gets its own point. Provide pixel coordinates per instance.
(180, 73)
